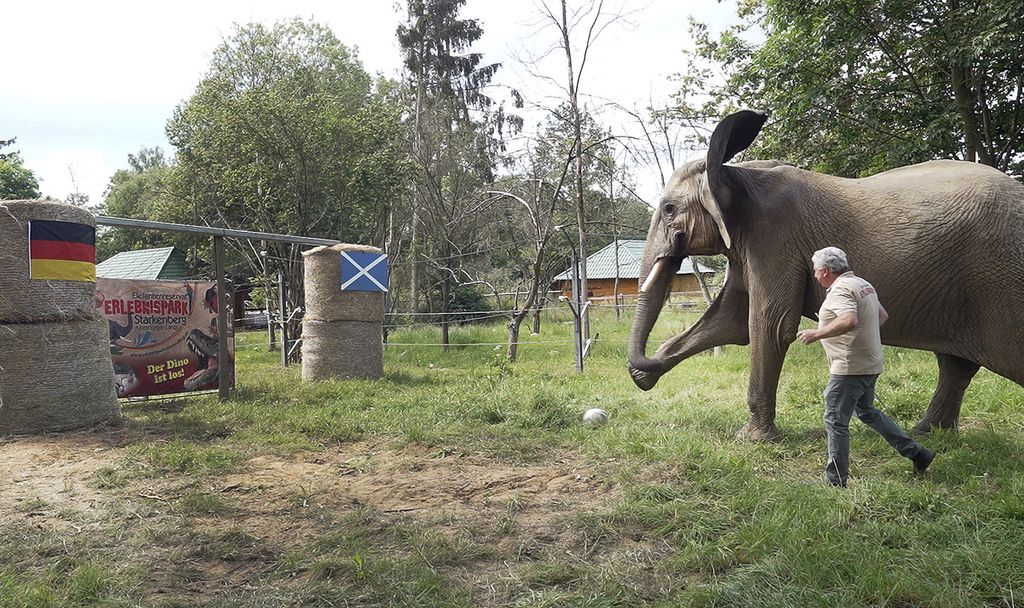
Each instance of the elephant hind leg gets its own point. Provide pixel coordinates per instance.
(955, 375)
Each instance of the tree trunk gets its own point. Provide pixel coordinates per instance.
(269, 301)
(965, 103)
(536, 313)
(414, 245)
(296, 298)
(513, 334)
(414, 248)
(532, 296)
(615, 233)
(577, 129)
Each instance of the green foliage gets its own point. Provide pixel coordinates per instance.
(455, 137)
(16, 180)
(858, 87)
(536, 195)
(435, 45)
(288, 133)
(467, 298)
(142, 191)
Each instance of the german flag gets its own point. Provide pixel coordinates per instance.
(62, 251)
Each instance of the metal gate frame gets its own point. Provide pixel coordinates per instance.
(218, 234)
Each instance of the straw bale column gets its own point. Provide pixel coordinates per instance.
(55, 377)
(341, 330)
(23, 300)
(55, 370)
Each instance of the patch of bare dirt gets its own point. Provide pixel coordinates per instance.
(42, 476)
(417, 480)
(282, 503)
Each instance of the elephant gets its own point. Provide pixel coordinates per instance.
(941, 241)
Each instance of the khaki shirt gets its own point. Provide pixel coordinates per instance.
(858, 351)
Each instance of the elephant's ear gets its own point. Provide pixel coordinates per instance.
(733, 135)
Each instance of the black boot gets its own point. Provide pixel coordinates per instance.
(922, 459)
(832, 476)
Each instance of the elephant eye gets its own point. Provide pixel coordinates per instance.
(668, 209)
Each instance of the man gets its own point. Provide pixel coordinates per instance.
(848, 327)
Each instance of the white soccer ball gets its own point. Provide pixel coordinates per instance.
(595, 416)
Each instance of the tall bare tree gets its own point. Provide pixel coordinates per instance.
(537, 198)
(578, 26)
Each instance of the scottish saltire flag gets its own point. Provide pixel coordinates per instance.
(364, 271)
(62, 251)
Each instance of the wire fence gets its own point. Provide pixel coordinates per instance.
(400, 326)
(498, 344)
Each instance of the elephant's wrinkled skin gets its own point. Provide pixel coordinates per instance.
(943, 242)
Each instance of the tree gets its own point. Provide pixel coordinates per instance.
(577, 29)
(536, 199)
(859, 87)
(530, 204)
(453, 139)
(141, 191)
(16, 180)
(288, 133)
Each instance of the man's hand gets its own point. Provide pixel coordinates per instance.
(840, 325)
(808, 336)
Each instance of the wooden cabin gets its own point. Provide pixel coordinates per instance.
(601, 273)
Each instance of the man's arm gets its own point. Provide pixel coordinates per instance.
(883, 316)
(838, 326)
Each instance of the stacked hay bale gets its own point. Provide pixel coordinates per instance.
(28, 301)
(341, 330)
(55, 370)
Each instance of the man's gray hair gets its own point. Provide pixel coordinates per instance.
(832, 259)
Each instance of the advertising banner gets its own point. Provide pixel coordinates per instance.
(163, 335)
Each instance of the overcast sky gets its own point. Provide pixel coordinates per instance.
(84, 84)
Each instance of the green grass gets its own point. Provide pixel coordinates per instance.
(700, 519)
(47, 569)
(201, 503)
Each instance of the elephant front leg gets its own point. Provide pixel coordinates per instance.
(725, 322)
(769, 341)
(955, 375)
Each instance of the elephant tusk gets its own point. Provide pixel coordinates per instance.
(651, 277)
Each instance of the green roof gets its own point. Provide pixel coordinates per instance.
(601, 264)
(162, 263)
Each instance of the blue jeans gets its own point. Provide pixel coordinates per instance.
(845, 395)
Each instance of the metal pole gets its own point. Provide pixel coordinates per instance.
(106, 220)
(577, 328)
(225, 365)
(271, 330)
(574, 302)
(282, 312)
(615, 287)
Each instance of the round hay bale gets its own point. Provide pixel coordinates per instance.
(38, 301)
(341, 350)
(55, 377)
(325, 301)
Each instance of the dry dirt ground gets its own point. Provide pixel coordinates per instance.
(276, 505)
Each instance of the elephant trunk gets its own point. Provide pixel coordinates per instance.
(644, 370)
